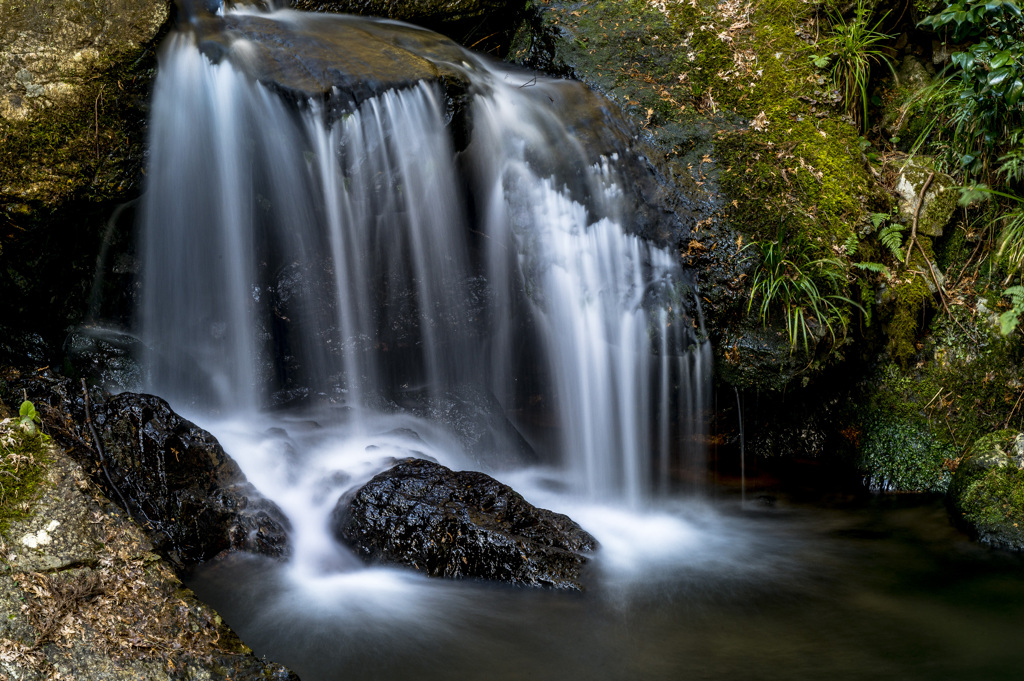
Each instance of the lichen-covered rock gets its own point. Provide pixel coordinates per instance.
(85, 597)
(74, 88)
(460, 524)
(60, 114)
(987, 493)
(935, 208)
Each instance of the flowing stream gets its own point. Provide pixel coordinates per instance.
(336, 280)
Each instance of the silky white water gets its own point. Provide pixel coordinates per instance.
(329, 292)
(295, 257)
(329, 289)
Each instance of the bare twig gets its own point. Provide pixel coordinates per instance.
(917, 213)
(99, 450)
(1017, 404)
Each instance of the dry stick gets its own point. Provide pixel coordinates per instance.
(931, 267)
(917, 213)
(99, 450)
(96, 138)
(1007, 424)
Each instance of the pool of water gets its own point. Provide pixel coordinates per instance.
(882, 588)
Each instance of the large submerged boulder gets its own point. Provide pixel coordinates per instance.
(461, 524)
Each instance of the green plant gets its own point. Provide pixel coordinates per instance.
(790, 284)
(29, 417)
(1009, 320)
(983, 94)
(848, 52)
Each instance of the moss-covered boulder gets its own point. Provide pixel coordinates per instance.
(987, 494)
(69, 89)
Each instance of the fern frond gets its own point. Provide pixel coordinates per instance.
(891, 237)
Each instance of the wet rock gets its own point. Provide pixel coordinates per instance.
(175, 479)
(337, 59)
(106, 357)
(477, 419)
(987, 491)
(461, 525)
(467, 21)
(416, 11)
(172, 476)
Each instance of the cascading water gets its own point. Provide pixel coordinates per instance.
(443, 258)
(295, 254)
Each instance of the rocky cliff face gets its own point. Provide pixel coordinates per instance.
(74, 86)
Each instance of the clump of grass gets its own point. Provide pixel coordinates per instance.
(789, 282)
(848, 52)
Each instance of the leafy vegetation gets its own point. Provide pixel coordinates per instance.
(22, 459)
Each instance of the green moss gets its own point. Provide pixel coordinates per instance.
(911, 300)
(799, 174)
(23, 459)
(988, 490)
(899, 449)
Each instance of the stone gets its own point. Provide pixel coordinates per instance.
(939, 201)
(171, 476)
(176, 480)
(914, 73)
(987, 491)
(85, 597)
(341, 60)
(460, 525)
(454, 17)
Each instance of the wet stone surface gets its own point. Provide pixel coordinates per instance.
(461, 525)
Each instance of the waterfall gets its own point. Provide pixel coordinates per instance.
(381, 257)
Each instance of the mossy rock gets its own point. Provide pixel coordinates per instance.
(987, 494)
(74, 89)
(733, 104)
(900, 454)
(936, 206)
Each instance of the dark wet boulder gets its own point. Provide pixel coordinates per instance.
(176, 481)
(467, 21)
(463, 525)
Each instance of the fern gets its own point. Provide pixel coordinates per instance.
(875, 267)
(891, 237)
(1009, 320)
(851, 245)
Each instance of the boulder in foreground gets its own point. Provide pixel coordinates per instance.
(460, 524)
